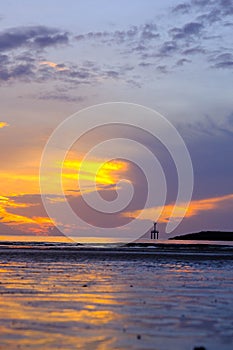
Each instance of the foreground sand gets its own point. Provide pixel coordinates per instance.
(116, 299)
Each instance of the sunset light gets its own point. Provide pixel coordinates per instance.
(116, 176)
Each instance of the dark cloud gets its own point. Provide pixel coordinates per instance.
(112, 74)
(194, 51)
(26, 57)
(10, 230)
(51, 40)
(202, 3)
(28, 68)
(223, 60)
(210, 146)
(134, 83)
(149, 31)
(145, 64)
(31, 37)
(135, 34)
(228, 24)
(162, 69)
(139, 48)
(209, 11)
(62, 97)
(182, 8)
(182, 61)
(22, 71)
(168, 48)
(226, 6)
(224, 64)
(4, 59)
(210, 17)
(190, 29)
(34, 207)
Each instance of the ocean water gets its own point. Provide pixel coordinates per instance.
(65, 297)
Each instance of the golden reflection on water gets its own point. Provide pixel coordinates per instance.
(70, 303)
(45, 307)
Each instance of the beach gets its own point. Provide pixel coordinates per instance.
(116, 298)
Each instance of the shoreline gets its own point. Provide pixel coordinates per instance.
(155, 251)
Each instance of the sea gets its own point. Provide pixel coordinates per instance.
(112, 296)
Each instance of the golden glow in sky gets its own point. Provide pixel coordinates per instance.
(195, 207)
(34, 224)
(3, 125)
(95, 172)
(70, 58)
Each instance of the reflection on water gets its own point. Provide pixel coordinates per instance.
(80, 303)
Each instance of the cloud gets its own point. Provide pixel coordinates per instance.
(195, 207)
(27, 68)
(10, 215)
(18, 71)
(201, 3)
(3, 59)
(23, 70)
(210, 146)
(182, 61)
(210, 17)
(194, 50)
(225, 64)
(227, 6)
(162, 69)
(190, 29)
(149, 31)
(37, 37)
(51, 40)
(3, 125)
(147, 44)
(59, 67)
(135, 34)
(208, 11)
(19, 51)
(223, 60)
(62, 97)
(207, 142)
(168, 48)
(182, 8)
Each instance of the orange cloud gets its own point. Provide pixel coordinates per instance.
(3, 125)
(27, 224)
(18, 183)
(53, 65)
(97, 172)
(194, 208)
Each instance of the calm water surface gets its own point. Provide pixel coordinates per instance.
(71, 301)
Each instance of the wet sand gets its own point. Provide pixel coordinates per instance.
(116, 298)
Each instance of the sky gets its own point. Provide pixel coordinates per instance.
(59, 57)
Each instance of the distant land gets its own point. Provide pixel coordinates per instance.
(206, 236)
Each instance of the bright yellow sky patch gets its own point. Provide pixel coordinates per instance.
(96, 172)
(3, 125)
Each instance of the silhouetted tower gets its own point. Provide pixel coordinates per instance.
(154, 232)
